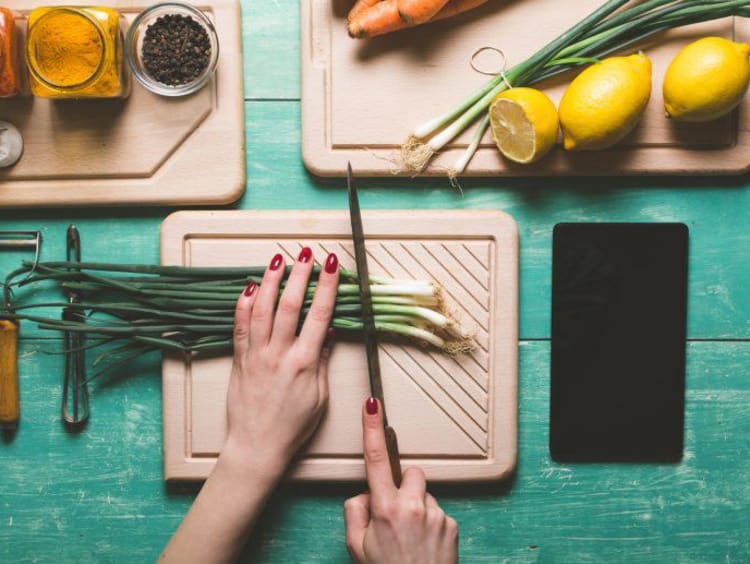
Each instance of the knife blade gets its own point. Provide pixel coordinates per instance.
(368, 322)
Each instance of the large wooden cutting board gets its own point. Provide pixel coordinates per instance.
(146, 149)
(361, 99)
(455, 416)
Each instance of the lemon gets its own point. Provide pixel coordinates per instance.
(524, 124)
(604, 103)
(707, 79)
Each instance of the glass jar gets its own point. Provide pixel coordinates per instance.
(136, 39)
(10, 79)
(76, 52)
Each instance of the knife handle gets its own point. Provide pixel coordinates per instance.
(394, 459)
(9, 408)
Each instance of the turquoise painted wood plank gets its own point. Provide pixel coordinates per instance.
(716, 209)
(99, 496)
(270, 33)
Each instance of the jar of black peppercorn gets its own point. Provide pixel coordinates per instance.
(172, 49)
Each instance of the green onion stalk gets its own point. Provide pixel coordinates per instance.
(146, 308)
(615, 26)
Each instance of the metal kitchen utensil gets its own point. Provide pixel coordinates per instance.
(20, 240)
(368, 321)
(75, 397)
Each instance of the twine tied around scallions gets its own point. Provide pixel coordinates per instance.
(146, 308)
(615, 26)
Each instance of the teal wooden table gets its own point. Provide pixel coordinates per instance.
(99, 495)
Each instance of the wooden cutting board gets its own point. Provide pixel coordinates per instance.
(146, 149)
(455, 416)
(361, 99)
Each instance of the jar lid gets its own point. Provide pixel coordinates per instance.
(11, 144)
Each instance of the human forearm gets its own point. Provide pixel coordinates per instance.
(277, 394)
(225, 511)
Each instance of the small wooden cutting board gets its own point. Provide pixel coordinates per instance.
(146, 149)
(455, 416)
(362, 98)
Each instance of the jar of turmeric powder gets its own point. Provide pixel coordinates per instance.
(10, 82)
(76, 52)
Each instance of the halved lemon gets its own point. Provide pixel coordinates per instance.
(524, 124)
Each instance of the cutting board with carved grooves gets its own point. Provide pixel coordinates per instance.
(455, 416)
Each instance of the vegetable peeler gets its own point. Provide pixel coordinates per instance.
(9, 396)
(75, 397)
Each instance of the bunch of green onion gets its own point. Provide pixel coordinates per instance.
(614, 26)
(148, 308)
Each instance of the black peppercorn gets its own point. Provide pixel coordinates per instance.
(176, 50)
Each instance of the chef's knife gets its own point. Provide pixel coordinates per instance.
(368, 321)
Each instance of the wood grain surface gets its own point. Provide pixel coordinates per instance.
(455, 415)
(104, 490)
(362, 99)
(9, 405)
(100, 497)
(145, 149)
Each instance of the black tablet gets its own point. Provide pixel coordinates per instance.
(619, 302)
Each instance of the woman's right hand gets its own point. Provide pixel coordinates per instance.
(389, 524)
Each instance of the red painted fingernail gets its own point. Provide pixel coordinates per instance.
(305, 255)
(332, 263)
(250, 289)
(371, 406)
(276, 262)
(331, 333)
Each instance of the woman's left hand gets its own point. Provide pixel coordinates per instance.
(278, 389)
(279, 383)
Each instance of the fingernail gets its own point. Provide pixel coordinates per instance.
(276, 262)
(305, 254)
(371, 406)
(250, 289)
(332, 263)
(331, 332)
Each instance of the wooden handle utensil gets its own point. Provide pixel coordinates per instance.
(9, 399)
(394, 458)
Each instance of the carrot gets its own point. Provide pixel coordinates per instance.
(378, 19)
(383, 17)
(455, 7)
(359, 7)
(417, 12)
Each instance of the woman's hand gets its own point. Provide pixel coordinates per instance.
(277, 391)
(279, 383)
(401, 525)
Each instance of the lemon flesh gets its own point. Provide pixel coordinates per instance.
(707, 79)
(524, 124)
(605, 102)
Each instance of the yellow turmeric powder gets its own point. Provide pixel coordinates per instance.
(69, 50)
(75, 53)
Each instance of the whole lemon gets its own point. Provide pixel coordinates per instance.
(524, 124)
(604, 103)
(707, 79)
